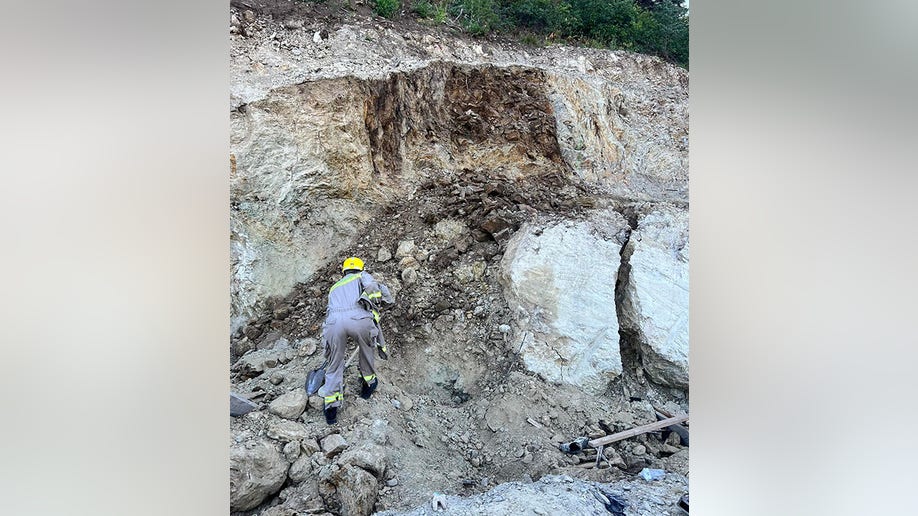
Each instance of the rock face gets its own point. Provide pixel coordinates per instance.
(257, 471)
(562, 277)
(319, 149)
(656, 302)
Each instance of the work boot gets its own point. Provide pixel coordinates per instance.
(367, 389)
(331, 415)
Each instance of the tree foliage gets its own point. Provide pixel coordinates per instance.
(658, 27)
(386, 8)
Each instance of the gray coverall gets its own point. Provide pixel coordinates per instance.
(351, 313)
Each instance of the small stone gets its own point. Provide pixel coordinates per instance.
(300, 469)
(639, 450)
(666, 448)
(407, 403)
(397, 404)
(316, 403)
(234, 21)
(405, 248)
(383, 255)
(310, 446)
(392, 482)
(249, 16)
(379, 431)
(408, 262)
(504, 328)
(293, 24)
(673, 439)
(409, 276)
(292, 451)
(277, 378)
(252, 332)
(333, 445)
(317, 37)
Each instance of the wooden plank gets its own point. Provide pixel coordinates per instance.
(596, 443)
(661, 411)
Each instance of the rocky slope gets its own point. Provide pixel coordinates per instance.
(528, 208)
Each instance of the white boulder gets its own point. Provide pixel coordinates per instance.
(561, 277)
(656, 302)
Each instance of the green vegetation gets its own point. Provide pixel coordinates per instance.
(435, 12)
(658, 27)
(386, 8)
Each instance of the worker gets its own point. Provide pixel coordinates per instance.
(353, 312)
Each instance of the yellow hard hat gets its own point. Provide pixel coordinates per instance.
(352, 263)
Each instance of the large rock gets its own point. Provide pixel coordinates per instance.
(368, 456)
(290, 405)
(257, 471)
(357, 491)
(333, 445)
(286, 431)
(656, 302)
(562, 275)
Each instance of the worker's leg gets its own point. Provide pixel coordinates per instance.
(381, 343)
(336, 346)
(365, 334)
(364, 331)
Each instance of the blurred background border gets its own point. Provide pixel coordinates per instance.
(116, 261)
